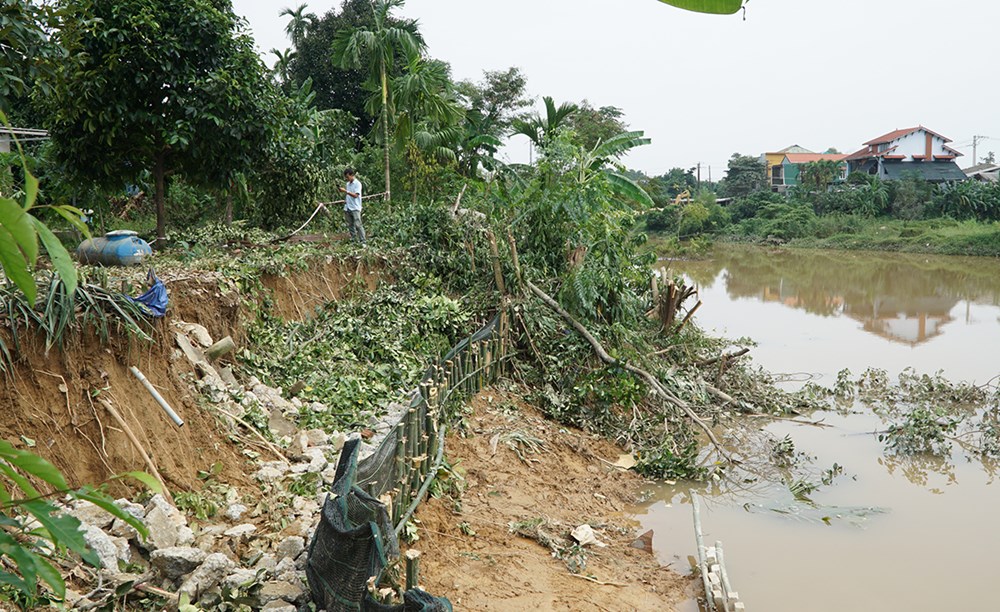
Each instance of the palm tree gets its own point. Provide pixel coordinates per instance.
(299, 25)
(376, 49)
(283, 64)
(428, 117)
(537, 128)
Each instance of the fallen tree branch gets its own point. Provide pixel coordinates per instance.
(724, 357)
(596, 581)
(651, 380)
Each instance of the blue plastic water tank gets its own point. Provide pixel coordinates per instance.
(117, 248)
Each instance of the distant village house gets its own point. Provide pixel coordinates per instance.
(917, 151)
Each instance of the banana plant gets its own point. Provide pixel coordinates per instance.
(715, 7)
(602, 159)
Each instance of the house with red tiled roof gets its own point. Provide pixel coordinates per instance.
(915, 150)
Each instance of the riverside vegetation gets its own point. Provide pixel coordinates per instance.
(465, 235)
(862, 212)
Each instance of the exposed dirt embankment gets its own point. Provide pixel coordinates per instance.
(52, 397)
(531, 476)
(297, 295)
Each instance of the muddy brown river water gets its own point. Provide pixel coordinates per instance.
(891, 533)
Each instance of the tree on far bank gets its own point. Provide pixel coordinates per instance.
(746, 174)
(376, 49)
(173, 87)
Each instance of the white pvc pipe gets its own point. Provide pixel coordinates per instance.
(156, 395)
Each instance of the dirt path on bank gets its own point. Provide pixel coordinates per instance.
(562, 479)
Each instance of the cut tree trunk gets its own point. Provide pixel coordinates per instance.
(159, 178)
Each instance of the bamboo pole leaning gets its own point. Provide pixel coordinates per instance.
(138, 446)
(651, 380)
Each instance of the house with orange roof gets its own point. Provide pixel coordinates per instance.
(917, 150)
(773, 163)
(794, 162)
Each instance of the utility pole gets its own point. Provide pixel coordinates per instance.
(975, 142)
(699, 175)
(710, 175)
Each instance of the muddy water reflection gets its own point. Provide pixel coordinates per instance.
(891, 533)
(830, 310)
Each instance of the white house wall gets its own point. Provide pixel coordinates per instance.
(916, 144)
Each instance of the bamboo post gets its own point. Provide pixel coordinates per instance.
(138, 446)
(495, 256)
(700, 542)
(412, 568)
(730, 596)
(401, 467)
(514, 258)
(414, 448)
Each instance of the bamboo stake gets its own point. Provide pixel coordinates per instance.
(138, 446)
(412, 568)
(401, 466)
(514, 257)
(700, 543)
(495, 256)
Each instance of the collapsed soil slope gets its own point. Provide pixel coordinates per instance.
(568, 482)
(51, 397)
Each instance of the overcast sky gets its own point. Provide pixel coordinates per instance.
(817, 74)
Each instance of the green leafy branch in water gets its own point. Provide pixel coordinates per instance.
(34, 531)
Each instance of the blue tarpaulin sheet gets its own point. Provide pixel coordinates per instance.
(155, 299)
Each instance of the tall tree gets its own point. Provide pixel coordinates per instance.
(299, 24)
(171, 86)
(376, 49)
(746, 175)
(594, 125)
(281, 65)
(490, 107)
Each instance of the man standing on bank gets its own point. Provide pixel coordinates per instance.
(352, 206)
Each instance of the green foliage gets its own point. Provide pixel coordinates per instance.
(174, 87)
(21, 231)
(356, 355)
(968, 200)
(578, 231)
(596, 125)
(672, 462)
(781, 221)
(746, 174)
(35, 531)
(375, 49)
(490, 107)
(718, 7)
(818, 175)
(27, 52)
(924, 429)
(748, 206)
(61, 312)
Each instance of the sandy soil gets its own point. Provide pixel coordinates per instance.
(567, 481)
